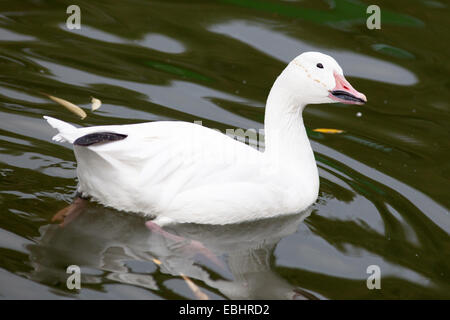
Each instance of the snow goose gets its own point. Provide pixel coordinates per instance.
(183, 172)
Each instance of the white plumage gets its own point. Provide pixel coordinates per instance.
(183, 172)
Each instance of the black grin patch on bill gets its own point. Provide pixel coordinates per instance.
(344, 95)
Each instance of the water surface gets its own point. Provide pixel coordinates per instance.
(384, 195)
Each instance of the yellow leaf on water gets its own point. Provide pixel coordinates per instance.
(96, 104)
(156, 261)
(331, 131)
(69, 106)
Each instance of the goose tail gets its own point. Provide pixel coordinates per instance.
(65, 130)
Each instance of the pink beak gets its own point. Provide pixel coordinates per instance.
(345, 93)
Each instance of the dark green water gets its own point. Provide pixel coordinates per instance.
(384, 193)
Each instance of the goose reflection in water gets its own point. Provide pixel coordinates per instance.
(232, 261)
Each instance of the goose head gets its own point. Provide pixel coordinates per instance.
(314, 77)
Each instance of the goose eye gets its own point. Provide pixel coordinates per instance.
(319, 65)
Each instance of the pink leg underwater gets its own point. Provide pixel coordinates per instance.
(70, 212)
(191, 246)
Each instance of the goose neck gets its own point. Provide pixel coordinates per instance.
(285, 133)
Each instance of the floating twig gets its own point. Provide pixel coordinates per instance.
(68, 105)
(195, 289)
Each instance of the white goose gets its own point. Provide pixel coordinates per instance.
(183, 172)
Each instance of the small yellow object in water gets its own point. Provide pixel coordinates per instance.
(69, 106)
(195, 289)
(156, 261)
(96, 103)
(332, 131)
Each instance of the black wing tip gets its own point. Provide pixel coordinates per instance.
(98, 137)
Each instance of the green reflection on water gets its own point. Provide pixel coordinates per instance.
(340, 11)
(176, 70)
